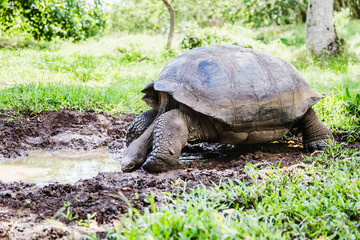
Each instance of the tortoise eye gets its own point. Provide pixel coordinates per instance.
(130, 165)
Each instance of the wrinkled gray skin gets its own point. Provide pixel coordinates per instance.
(190, 103)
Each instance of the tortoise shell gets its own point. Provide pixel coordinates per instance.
(247, 89)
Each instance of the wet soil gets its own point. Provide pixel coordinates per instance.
(64, 129)
(32, 211)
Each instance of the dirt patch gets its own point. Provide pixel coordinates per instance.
(64, 129)
(27, 210)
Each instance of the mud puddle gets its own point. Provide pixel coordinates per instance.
(27, 208)
(62, 166)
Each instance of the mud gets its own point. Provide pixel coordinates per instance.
(64, 129)
(33, 211)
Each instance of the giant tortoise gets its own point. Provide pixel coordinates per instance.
(223, 94)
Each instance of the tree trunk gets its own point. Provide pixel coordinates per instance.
(320, 29)
(172, 21)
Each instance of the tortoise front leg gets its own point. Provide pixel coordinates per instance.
(172, 131)
(314, 132)
(169, 138)
(139, 125)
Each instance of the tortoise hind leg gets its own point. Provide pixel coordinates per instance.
(172, 131)
(315, 134)
(139, 125)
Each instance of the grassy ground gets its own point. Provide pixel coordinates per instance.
(319, 200)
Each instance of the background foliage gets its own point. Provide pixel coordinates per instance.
(80, 19)
(139, 15)
(353, 5)
(75, 19)
(134, 15)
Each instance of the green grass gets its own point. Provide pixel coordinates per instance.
(318, 200)
(52, 96)
(102, 75)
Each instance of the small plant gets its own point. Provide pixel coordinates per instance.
(169, 53)
(69, 214)
(87, 222)
(131, 55)
(293, 40)
(352, 104)
(191, 41)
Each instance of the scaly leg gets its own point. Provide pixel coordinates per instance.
(315, 134)
(172, 131)
(139, 125)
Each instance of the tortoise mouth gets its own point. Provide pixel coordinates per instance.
(128, 165)
(134, 156)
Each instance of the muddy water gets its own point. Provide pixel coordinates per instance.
(64, 166)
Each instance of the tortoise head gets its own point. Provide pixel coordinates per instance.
(128, 164)
(134, 157)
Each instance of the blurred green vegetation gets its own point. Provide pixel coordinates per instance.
(151, 15)
(47, 19)
(80, 19)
